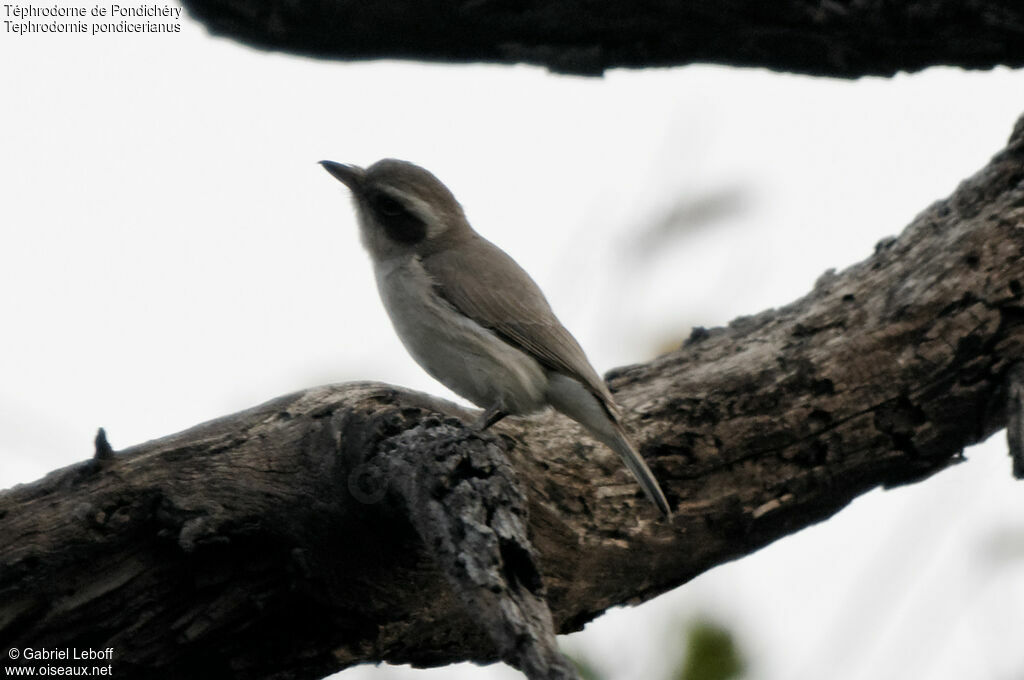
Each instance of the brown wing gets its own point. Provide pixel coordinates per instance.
(485, 284)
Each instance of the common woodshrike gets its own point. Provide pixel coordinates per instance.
(469, 315)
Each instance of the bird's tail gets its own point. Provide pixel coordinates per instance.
(636, 465)
(597, 415)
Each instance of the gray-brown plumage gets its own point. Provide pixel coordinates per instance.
(522, 318)
(470, 316)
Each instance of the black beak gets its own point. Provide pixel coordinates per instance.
(349, 175)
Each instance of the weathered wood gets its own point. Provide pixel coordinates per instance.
(461, 494)
(829, 37)
(301, 536)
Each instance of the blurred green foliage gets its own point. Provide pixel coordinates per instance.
(585, 669)
(711, 654)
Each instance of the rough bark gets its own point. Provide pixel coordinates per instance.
(842, 38)
(361, 522)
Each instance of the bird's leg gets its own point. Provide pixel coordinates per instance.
(489, 417)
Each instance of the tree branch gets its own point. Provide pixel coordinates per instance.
(829, 37)
(360, 523)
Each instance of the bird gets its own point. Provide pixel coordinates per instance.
(470, 316)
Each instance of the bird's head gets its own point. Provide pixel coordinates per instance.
(401, 207)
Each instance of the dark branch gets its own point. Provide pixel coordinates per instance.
(353, 524)
(469, 510)
(103, 450)
(1015, 418)
(838, 38)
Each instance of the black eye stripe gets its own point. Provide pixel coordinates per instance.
(399, 223)
(388, 206)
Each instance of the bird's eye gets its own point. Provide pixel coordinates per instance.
(398, 222)
(388, 206)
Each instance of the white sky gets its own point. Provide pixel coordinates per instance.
(171, 252)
